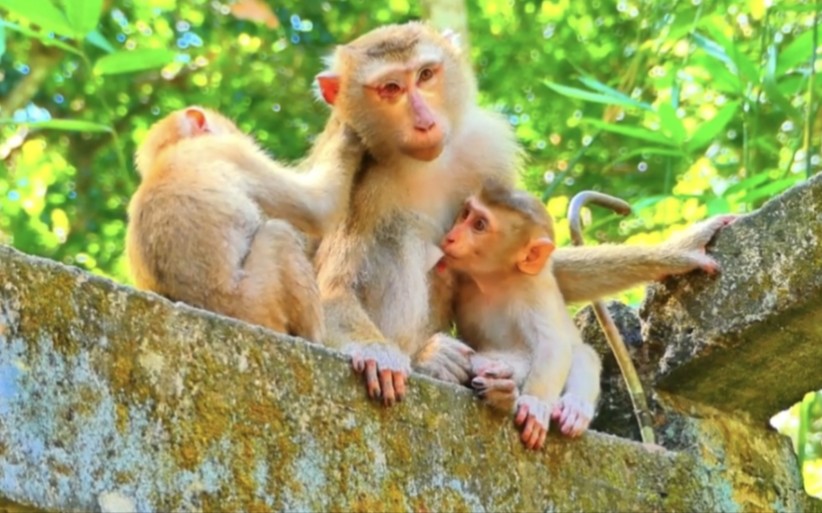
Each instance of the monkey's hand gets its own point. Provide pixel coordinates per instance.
(385, 367)
(687, 249)
(533, 417)
(445, 358)
(573, 414)
(494, 383)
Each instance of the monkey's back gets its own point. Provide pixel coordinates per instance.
(190, 229)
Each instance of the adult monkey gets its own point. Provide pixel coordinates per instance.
(411, 97)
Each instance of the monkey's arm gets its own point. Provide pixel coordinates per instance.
(587, 273)
(348, 325)
(314, 199)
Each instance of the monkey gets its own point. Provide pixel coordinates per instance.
(410, 95)
(509, 309)
(217, 224)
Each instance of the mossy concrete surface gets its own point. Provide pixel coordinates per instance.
(749, 339)
(113, 399)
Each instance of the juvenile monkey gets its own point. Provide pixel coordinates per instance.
(410, 95)
(217, 224)
(510, 310)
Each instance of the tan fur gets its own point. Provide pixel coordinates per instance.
(515, 318)
(217, 224)
(373, 270)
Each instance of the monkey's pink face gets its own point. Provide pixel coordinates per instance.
(465, 245)
(409, 99)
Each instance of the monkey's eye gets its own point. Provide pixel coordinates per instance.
(426, 74)
(480, 224)
(464, 213)
(390, 90)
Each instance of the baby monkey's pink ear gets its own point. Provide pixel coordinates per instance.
(535, 255)
(329, 83)
(197, 120)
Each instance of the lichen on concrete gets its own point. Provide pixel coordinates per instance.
(747, 339)
(107, 393)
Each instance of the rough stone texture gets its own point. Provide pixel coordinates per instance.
(750, 339)
(106, 393)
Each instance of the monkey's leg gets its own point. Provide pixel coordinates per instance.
(278, 289)
(576, 407)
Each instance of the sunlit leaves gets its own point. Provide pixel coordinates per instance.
(43, 13)
(137, 60)
(69, 125)
(82, 15)
(708, 131)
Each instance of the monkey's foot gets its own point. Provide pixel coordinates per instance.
(533, 416)
(385, 367)
(573, 415)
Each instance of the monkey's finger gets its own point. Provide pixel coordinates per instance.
(528, 430)
(458, 373)
(542, 436)
(533, 442)
(522, 415)
(569, 422)
(399, 385)
(371, 381)
(387, 385)
(358, 363)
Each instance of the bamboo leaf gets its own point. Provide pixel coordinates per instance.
(770, 86)
(795, 53)
(97, 39)
(42, 13)
(707, 132)
(83, 15)
(68, 125)
(651, 150)
(42, 37)
(130, 61)
(596, 85)
(642, 134)
(671, 124)
(581, 94)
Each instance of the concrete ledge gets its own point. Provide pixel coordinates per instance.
(749, 340)
(106, 393)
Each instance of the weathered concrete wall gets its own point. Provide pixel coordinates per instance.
(108, 392)
(750, 339)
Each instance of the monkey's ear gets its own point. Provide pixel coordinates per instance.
(535, 255)
(197, 120)
(452, 36)
(329, 83)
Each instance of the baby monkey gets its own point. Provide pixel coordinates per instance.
(510, 310)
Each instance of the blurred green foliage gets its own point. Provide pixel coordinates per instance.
(685, 109)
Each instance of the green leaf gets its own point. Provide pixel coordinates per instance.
(651, 150)
(771, 89)
(772, 188)
(68, 125)
(42, 13)
(796, 53)
(137, 60)
(642, 134)
(747, 69)
(581, 94)
(707, 132)
(718, 206)
(83, 15)
(96, 38)
(748, 183)
(623, 98)
(2, 39)
(671, 124)
(42, 37)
